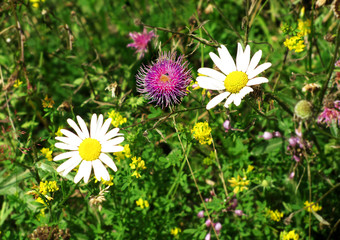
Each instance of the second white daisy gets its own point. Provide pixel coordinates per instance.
(234, 78)
(88, 148)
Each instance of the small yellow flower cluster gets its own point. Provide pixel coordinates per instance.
(59, 133)
(315, 207)
(48, 186)
(137, 164)
(296, 43)
(108, 183)
(35, 3)
(291, 235)
(275, 215)
(239, 184)
(175, 231)
(47, 153)
(202, 132)
(117, 119)
(17, 83)
(142, 203)
(47, 102)
(126, 153)
(304, 27)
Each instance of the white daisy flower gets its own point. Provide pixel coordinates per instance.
(235, 79)
(88, 148)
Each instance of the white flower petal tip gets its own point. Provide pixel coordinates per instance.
(236, 76)
(88, 147)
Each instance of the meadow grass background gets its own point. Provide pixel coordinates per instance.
(60, 59)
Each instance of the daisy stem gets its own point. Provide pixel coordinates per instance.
(193, 176)
(247, 24)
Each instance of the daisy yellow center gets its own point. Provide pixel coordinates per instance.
(235, 81)
(164, 78)
(90, 149)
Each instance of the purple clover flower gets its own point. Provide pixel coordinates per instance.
(140, 41)
(165, 81)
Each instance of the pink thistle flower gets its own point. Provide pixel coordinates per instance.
(165, 81)
(330, 114)
(140, 41)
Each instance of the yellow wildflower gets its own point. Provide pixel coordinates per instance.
(108, 183)
(275, 215)
(117, 119)
(48, 186)
(295, 43)
(304, 27)
(202, 132)
(175, 231)
(137, 164)
(17, 83)
(250, 168)
(47, 102)
(291, 235)
(35, 3)
(239, 184)
(59, 133)
(309, 207)
(126, 153)
(47, 153)
(142, 203)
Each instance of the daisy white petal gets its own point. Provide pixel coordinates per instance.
(108, 161)
(245, 60)
(230, 99)
(104, 129)
(219, 63)
(70, 141)
(83, 127)
(65, 155)
(93, 127)
(237, 100)
(68, 163)
(110, 148)
(226, 57)
(216, 100)
(212, 73)
(239, 57)
(99, 125)
(114, 141)
(84, 172)
(210, 83)
(100, 171)
(258, 70)
(110, 134)
(76, 128)
(66, 146)
(256, 81)
(244, 91)
(69, 134)
(254, 61)
(71, 167)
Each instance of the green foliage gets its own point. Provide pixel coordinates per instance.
(61, 59)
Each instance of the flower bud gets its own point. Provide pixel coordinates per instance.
(292, 141)
(277, 134)
(303, 109)
(226, 125)
(208, 223)
(200, 214)
(218, 226)
(267, 135)
(207, 237)
(291, 175)
(239, 212)
(296, 158)
(234, 203)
